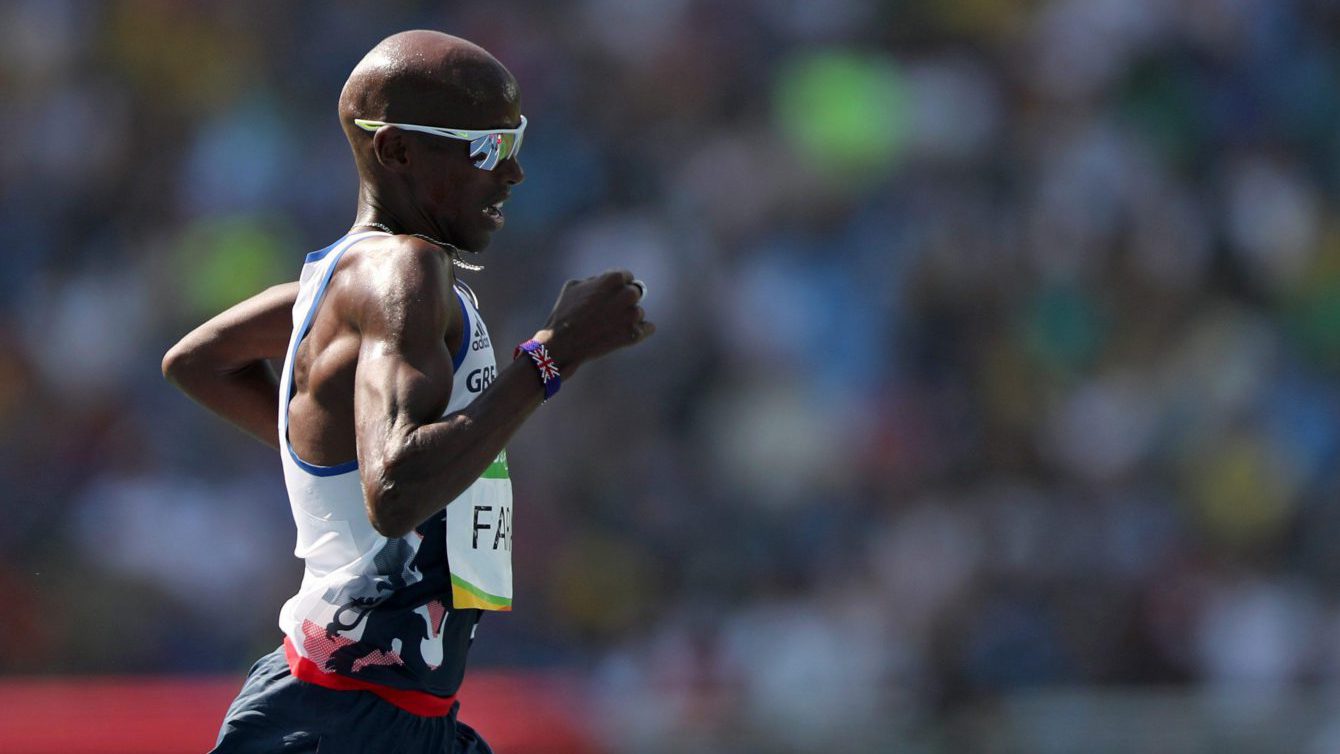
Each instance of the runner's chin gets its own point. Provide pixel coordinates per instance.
(477, 233)
(492, 220)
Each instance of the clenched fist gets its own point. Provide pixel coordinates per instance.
(593, 317)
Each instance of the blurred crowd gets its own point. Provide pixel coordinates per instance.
(998, 343)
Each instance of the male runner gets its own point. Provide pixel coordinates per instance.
(392, 413)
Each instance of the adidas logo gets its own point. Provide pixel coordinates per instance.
(480, 340)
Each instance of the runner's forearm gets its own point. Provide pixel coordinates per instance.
(436, 462)
(246, 397)
(223, 364)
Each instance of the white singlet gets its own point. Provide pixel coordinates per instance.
(395, 616)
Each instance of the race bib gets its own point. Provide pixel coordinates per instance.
(479, 541)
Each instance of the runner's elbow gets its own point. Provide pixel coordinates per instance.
(176, 362)
(385, 508)
(386, 522)
(388, 529)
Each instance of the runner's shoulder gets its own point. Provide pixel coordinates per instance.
(399, 276)
(394, 266)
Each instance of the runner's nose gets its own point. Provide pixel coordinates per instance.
(511, 170)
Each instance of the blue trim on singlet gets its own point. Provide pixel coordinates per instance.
(315, 470)
(316, 256)
(458, 358)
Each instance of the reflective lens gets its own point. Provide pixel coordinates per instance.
(493, 148)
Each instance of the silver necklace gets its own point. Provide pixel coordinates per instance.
(452, 251)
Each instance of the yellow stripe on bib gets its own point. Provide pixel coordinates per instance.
(467, 595)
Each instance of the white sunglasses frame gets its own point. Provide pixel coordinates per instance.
(482, 142)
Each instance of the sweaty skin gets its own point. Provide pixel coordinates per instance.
(374, 374)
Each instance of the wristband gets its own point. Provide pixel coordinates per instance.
(544, 363)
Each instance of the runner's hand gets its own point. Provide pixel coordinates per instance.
(594, 317)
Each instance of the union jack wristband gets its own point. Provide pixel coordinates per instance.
(543, 362)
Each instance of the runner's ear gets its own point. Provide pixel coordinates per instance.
(388, 146)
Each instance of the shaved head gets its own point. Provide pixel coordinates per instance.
(428, 78)
(427, 184)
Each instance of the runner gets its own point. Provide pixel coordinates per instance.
(392, 412)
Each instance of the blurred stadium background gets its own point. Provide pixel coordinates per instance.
(993, 408)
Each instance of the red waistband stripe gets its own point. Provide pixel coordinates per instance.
(419, 703)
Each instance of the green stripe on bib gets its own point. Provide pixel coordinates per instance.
(497, 469)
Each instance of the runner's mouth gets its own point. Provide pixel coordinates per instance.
(495, 213)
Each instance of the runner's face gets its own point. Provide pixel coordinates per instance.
(461, 198)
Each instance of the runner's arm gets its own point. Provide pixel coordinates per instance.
(223, 366)
(413, 461)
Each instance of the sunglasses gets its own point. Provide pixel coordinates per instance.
(487, 148)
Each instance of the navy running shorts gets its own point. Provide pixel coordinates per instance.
(276, 712)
